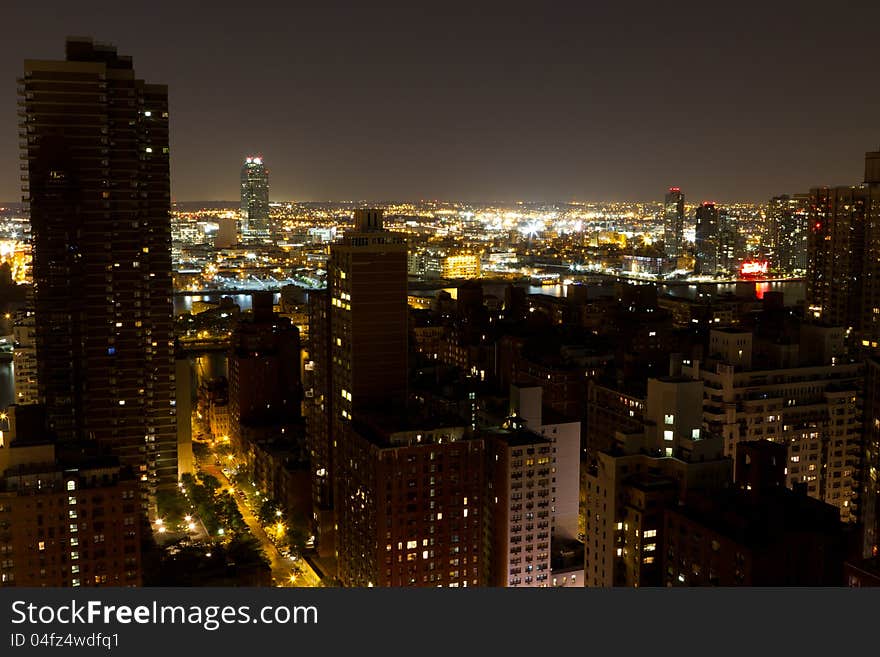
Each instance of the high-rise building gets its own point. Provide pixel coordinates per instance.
(787, 221)
(803, 396)
(673, 223)
(706, 239)
(564, 434)
(410, 504)
(96, 144)
(254, 200)
(24, 355)
(520, 506)
(728, 242)
(843, 265)
(359, 337)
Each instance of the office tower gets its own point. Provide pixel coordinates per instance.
(359, 338)
(843, 265)
(673, 223)
(706, 239)
(411, 503)
(787, 221)
(97, 153)
(265, 390)
(254, 200)
(805, 396)
(67, 517)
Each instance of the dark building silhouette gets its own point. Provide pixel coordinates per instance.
(98, 187)
(843, 274)
(706, 238)
(265, 391)
(359, 336)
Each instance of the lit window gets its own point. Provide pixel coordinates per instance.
(667, 435)
(669, 419)
(71, 485)
(668, 451)
(412, 545)
(650, 533)
(695, 434)
(650, 547)
(41, 546)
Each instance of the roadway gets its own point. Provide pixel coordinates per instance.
(282, 567)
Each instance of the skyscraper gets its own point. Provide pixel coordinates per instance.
(360, 336)
(787, 219)
(673, 223)
(97, 153)
(254, 200)
(706, 239)
(843, 264)
(728, 242)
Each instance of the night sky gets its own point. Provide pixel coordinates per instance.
(487, 101)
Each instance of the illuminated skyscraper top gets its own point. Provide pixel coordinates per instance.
(254, 200)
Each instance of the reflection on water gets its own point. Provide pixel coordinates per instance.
(183, 303)
(793, 291)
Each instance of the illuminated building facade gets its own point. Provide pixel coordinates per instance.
(788, 218)
(843, 267)
(97, 153)
(254, 200)
(673, 223)
(806, 397)
(521, 506)
(410, 506)
(461, 265)
(706, 241)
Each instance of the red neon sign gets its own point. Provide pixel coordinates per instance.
(754, 268)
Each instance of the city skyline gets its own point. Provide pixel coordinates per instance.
(676, 392)
(431, 98)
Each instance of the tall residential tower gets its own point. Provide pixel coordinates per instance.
(95, 138)
(673, 223)
(254, 200)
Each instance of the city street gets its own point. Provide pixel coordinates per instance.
(282, 567)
